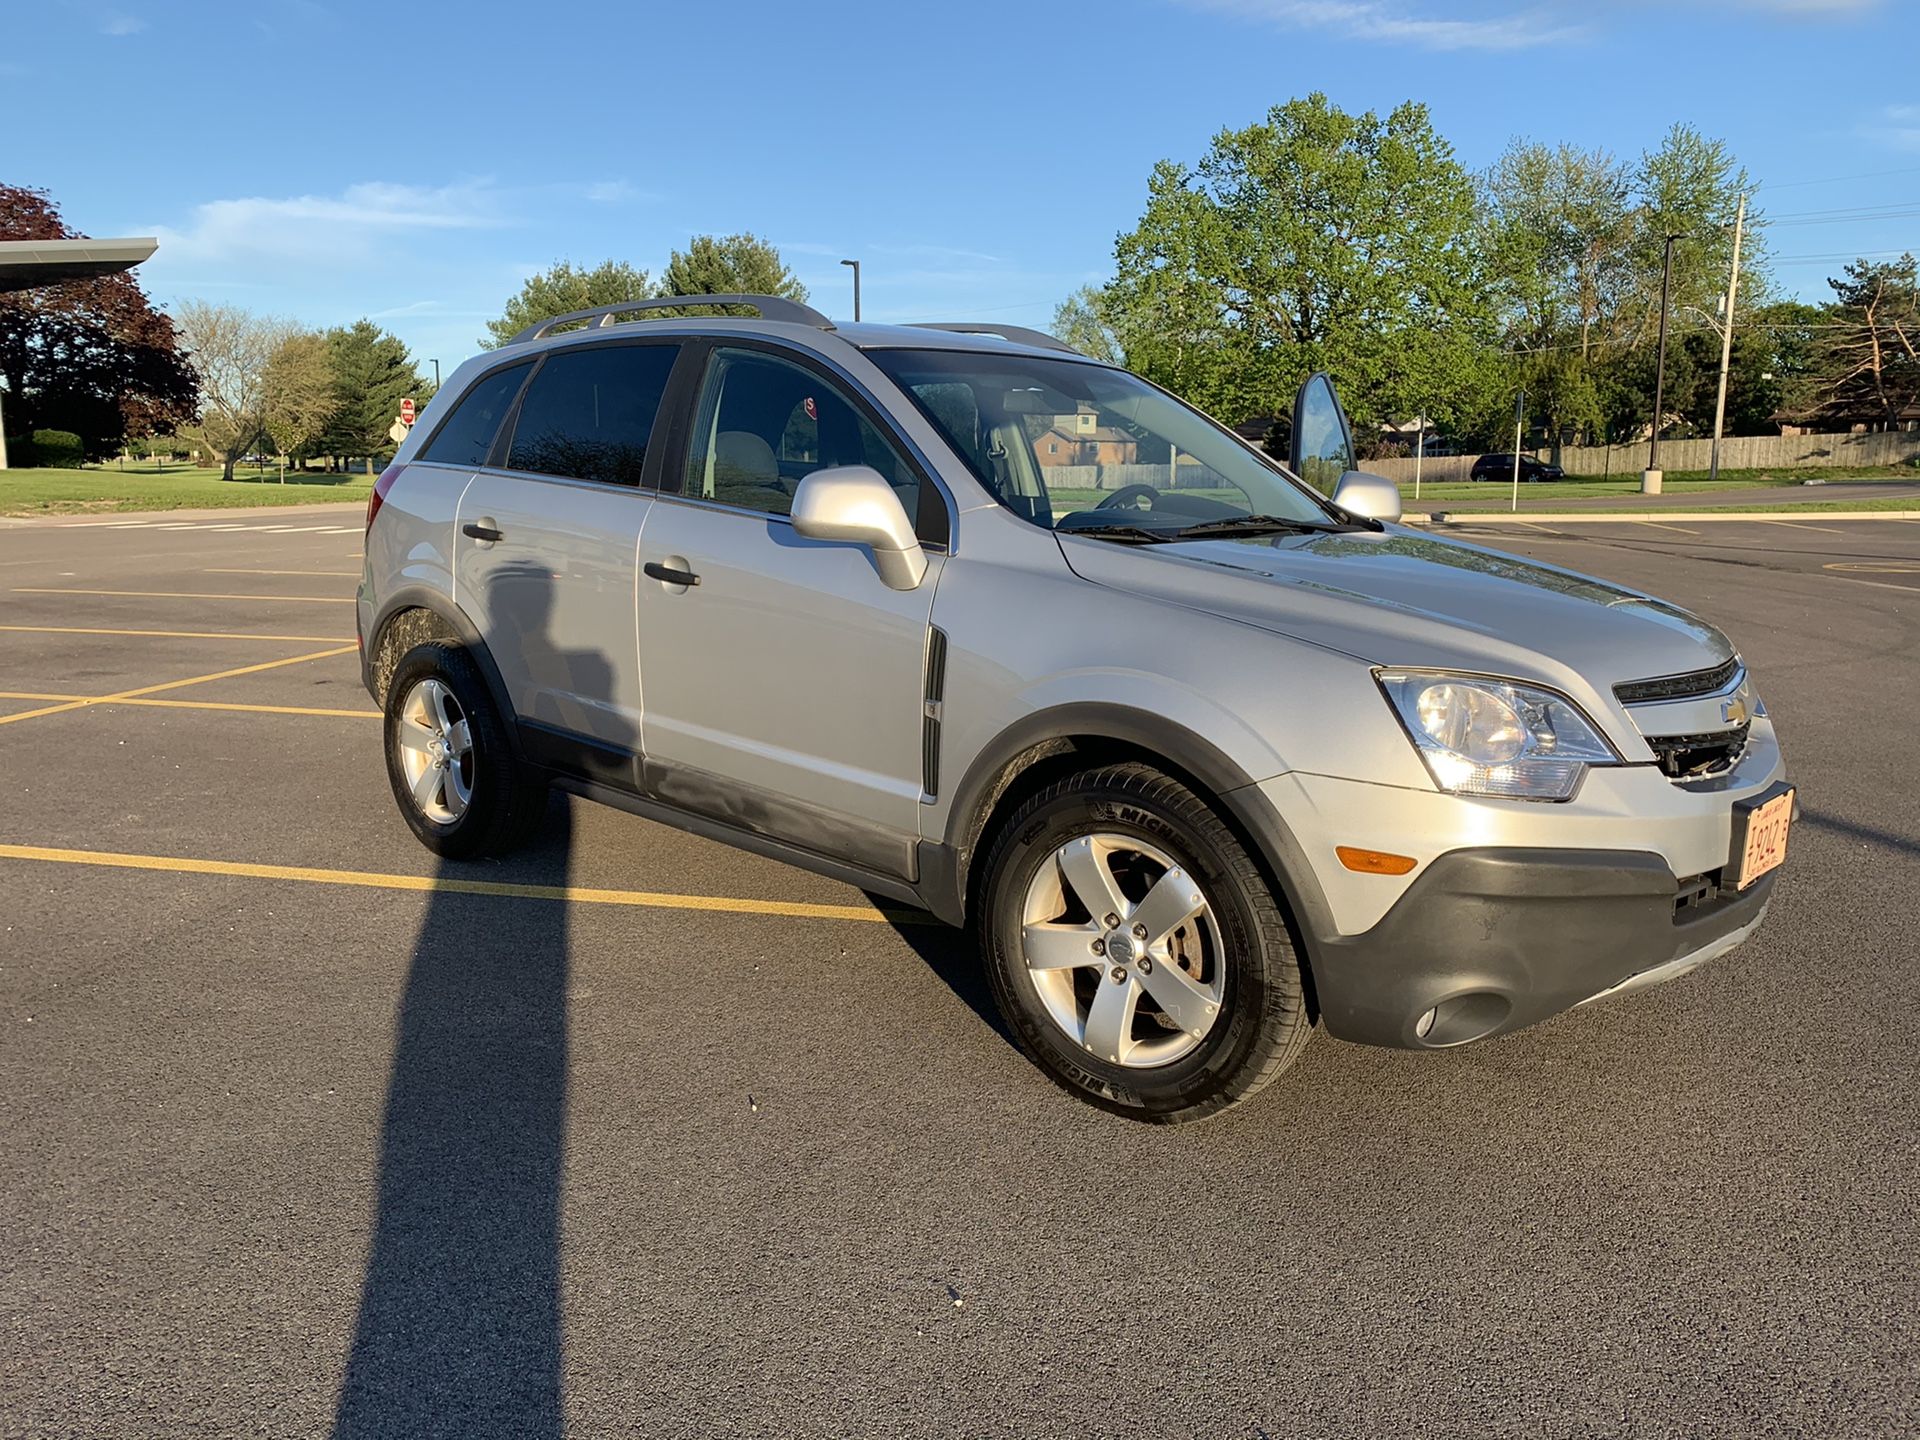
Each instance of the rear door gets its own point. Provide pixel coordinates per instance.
(785, 687)
(548, 538)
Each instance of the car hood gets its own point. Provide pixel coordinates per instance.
(1401, 597)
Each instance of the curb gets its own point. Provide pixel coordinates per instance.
(1640, 517)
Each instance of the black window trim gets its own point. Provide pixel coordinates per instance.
(650, 468)
(928, 524)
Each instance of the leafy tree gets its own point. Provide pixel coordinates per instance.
(729, 265)
(88, 356)
(300, 397)
(1312, 240)
(230, 349)
(1080, 321)
(1868, 361)
(563, 287)
(372, 373)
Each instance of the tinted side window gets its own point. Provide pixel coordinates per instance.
(468, 434)
(589, 413)
(764, 424)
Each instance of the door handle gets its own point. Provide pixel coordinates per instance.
(668, 574)
(480, 532)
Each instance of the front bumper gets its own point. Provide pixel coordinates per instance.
(1487, 941)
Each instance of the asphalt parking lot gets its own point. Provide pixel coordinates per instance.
(638, 1135)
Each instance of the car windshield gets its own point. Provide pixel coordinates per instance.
(1084, 447)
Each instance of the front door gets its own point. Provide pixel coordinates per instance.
(548, 546)
(784, 688)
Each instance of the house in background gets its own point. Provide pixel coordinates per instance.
(1079, 439)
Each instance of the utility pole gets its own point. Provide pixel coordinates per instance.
(1650, 477)
(1726, 339)
(856, 288)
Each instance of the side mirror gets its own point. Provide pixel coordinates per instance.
(853, 505)
(1372, 496)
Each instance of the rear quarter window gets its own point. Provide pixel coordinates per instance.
(467, 436)
(589, 413)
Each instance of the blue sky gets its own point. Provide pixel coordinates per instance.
(327, 159)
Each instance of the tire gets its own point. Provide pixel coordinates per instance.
(482, 801)
(1138, 827)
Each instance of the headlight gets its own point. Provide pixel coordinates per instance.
(1496, 737)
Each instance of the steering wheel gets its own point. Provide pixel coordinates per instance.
(1129, 492)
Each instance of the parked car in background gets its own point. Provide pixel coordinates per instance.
(1204, 761)
(1500, 467)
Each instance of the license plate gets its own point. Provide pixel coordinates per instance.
(1761, 845)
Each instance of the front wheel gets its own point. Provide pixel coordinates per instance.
(1136, 950)
(454, 774)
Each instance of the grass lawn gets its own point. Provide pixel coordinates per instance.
(1676, 482)
(105, 489)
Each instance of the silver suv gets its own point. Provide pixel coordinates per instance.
(955, 614)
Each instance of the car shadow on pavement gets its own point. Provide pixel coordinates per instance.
(460, 1328)
(953, 955)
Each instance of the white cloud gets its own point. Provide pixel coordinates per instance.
(118, 23)
(1898, 126)
(1809, 7)
(611, 192)
(323, 228)
(1403, 23)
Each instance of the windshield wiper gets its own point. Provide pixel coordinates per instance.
(1261, 525)
(1125, 534)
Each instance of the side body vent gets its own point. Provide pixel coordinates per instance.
(932, 699)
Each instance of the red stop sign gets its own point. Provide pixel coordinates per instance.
(406, 411)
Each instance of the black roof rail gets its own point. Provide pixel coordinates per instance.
(771, 307)
(1019, 334)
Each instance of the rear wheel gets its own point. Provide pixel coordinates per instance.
(1136, 949)
(453, 772)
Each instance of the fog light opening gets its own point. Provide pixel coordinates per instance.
(1462, 1018)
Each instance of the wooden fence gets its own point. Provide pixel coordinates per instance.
(1737, 452)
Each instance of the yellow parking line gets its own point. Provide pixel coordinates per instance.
(1669, 525)
(337, 574)
(176, 684)
(170, 634)
(446, 885)
(185, 595)
(1801, 525)
(196, 705)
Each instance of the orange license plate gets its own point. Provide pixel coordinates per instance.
(1764, 845)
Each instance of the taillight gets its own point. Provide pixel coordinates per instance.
(380, 488)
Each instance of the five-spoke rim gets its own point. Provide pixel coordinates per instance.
(1123, 951)
(436, 751)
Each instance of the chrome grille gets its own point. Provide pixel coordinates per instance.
(1692, 757)
(1678, 687)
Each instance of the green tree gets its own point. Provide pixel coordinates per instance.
(372, 374)
(300, 399)
(1867, 362)
(1080, 320)
(564, 287)
(1312, 240)
(729, 265)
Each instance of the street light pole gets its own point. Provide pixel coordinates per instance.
(436, 375)
(1726, 340)
(1650, 478)
(856, 288)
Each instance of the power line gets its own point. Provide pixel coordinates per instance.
(1835, 179)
